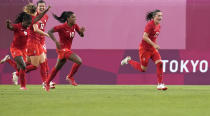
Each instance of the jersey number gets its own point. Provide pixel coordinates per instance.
(156, 34)
(42, 26)
(72, 34)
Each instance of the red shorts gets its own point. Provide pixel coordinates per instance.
(18, 52)
(145, 55)
(64, 53)
(34, 49)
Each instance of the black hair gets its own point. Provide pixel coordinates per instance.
(64, 16)
(150, 15)
(40, 1)
(23, 16)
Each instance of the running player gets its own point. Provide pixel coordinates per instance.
(41, 7)
(18, 46)
(35, 50)
(66, 33)
(149, 48)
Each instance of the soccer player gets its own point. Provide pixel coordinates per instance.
(149, 48)
(66, 33)
(40, 25)
(35, 49)
(18, 46)
(31, 10)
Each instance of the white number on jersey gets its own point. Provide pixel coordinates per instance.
(72, 34)
(42, 26)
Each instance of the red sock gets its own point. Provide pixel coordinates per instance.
(12, 63)
(22, 78)
(52, 75)
(30, 68)
(17, 73)
(136, 65)
(47, 67)
(159, 72)
(43, 71)
(74, 69)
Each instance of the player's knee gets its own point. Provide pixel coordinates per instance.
(79, 62)
(58, 67)
(23, 66)
(143, 68)
(160, 64)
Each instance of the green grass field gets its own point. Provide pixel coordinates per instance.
(105, 100)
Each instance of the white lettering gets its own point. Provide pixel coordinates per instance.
(194, 64)
(164, 65)
(175, 64)
(205, 66)
(183, 66)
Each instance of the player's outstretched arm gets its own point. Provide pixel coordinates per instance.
(36, 29)
(41, 15)
(9, 25)
(146, 38)
(50, 33)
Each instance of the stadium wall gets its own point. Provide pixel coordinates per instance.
(184, 40)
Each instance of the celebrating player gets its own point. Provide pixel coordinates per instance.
(18, 46)
(66, 33)
(149, 48)
(40, 25)
(31, 10)
(35, 50)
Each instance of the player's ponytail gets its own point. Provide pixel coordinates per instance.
(64, 16)
(30, 9)
(150, 15)
(23, 16)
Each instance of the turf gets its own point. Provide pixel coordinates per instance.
(105, 100)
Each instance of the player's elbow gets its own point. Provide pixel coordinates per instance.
(144, 38)
(9, 27)
(50, 32)
(81, 35)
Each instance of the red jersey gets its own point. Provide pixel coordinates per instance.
(20, 36)
(41, 25)
(66, 34)
(33, 36)
(153, 31)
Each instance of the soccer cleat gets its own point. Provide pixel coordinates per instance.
(161, 87)
(125, 60)
(23, 88)
(164, 87)
(52, 85)
(43, 85)
(71, 81)
(47, 87)
(15, 78)
(5, 59)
